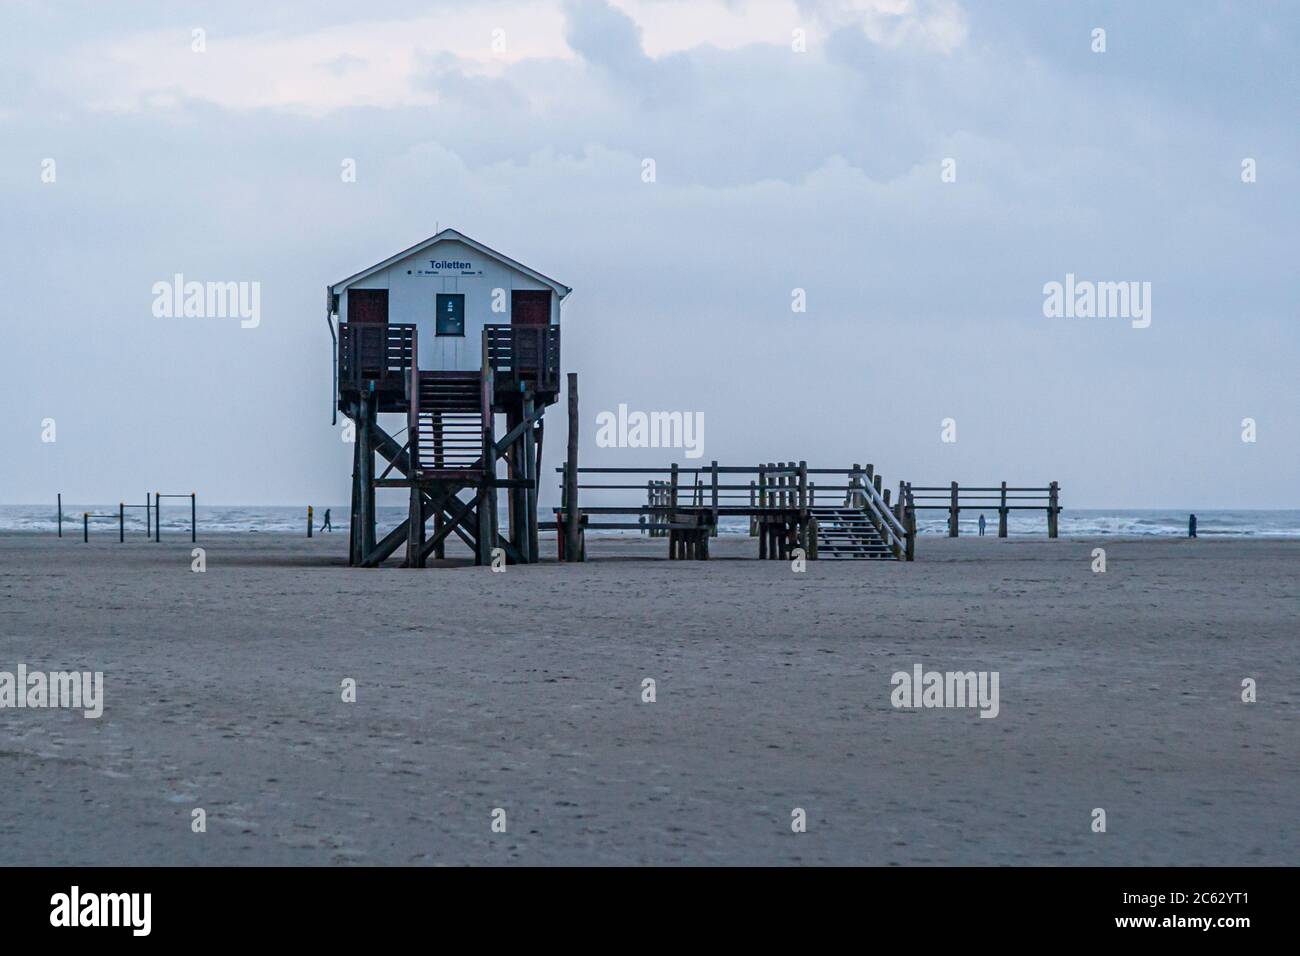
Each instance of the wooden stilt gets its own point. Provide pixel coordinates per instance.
(572, 551)
(367, 473)
(415, 529)
(528, 496)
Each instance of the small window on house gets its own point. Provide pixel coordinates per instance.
(451, 313)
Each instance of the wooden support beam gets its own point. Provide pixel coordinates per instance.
(512, 553)
(514, 504)
(454, 518)
(528, 496)
(486, 533)
(572, 551)
(415, 529)
(365, 434)
(518, 429)
(382, 551)
(354, 513)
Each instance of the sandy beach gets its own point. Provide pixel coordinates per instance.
(1119, 691)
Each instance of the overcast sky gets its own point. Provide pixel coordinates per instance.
(775, 170)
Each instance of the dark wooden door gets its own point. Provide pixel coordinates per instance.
(368, 305)
(530, 308)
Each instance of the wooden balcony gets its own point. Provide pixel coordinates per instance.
(380, 359)
(524, 357)
(379, 356)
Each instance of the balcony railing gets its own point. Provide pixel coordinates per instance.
(523, 355)
(378, 352)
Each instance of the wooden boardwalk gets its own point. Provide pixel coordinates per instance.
(827, 513)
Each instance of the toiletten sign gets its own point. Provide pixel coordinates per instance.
(447, 267)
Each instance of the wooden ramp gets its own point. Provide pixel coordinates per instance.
(847, 534)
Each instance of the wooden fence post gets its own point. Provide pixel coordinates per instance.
(675, 542)
(753, 505)
(802, 528)
(910, 524)
(952, 513)
(571, 548)
(309, 520)
(1002, 513)
(774, 503)
(714, 531)
(1053, 508)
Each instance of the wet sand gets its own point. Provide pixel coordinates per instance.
(522, 691)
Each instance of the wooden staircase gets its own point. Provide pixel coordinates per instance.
(847, 534)
(447, 419)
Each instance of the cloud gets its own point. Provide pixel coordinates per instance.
(317, 71)
(936, 25)
(382, 63)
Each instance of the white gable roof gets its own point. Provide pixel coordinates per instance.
(560, 288)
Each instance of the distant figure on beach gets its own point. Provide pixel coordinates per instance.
(642, 520)
(1191, 526)
(326, 526)
(981, 526)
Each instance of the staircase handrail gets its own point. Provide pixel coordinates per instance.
(884, 516)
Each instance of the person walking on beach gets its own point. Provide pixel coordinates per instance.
(981, 526)
(1191, 526)
(326, 526)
